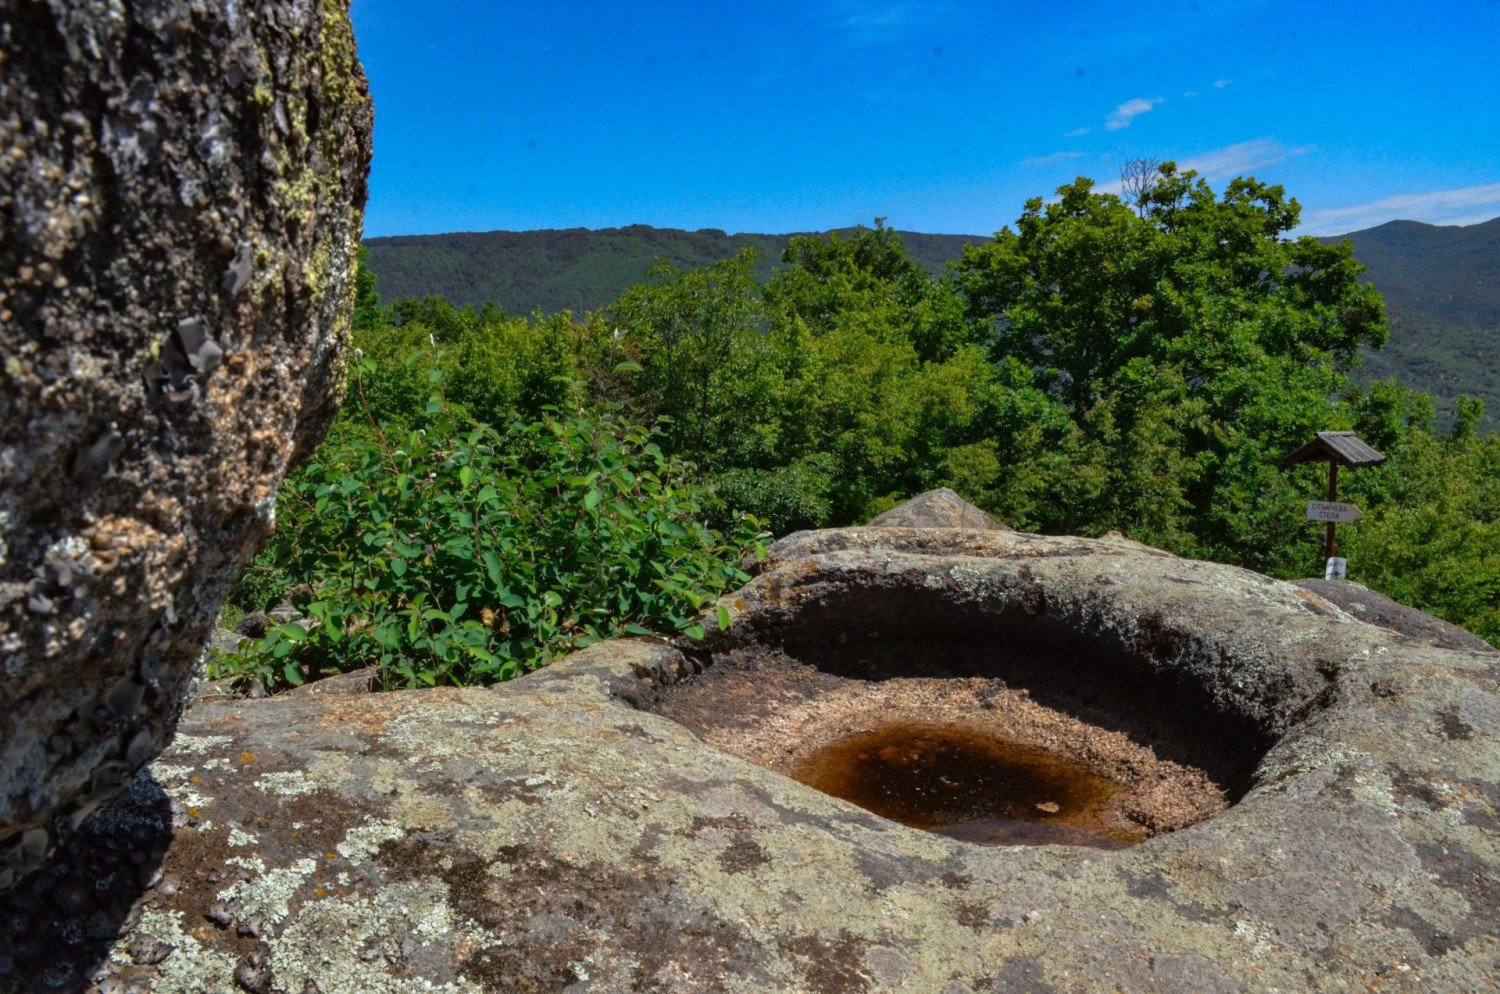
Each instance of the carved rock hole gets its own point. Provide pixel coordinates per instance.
(976, 722)
(966, 784)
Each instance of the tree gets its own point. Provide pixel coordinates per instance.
(830, 280)
(706, 361)
(367, 310)
(1137, 177)
(1190, 340)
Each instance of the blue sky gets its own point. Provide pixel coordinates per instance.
(939, 116)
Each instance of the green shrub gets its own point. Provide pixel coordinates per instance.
(787, 498)
(458, 554)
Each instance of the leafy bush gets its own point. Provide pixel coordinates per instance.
(458, 554)
(787, 498)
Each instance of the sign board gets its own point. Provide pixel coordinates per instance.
(1327, 510)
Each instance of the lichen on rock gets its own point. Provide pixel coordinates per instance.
(181, 190)
(554, 834)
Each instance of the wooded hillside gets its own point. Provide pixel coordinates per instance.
(1441, 284)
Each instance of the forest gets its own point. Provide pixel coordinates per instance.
(501, 489)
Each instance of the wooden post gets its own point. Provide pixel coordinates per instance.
(1333, 495)
(1336, 448)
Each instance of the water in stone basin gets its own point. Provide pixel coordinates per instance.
(969, 785)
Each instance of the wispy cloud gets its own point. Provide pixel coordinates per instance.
(1077, 133)
(1189, 94)
(1219, 84)
(1123, 115)
(1044, 160)
(1241, 158)
(1460, 205)
(871, 23)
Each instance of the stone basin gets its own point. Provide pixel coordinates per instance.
(557, 834)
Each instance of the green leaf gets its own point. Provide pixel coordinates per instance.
(492, 568)
(398, 566)
(724, 619)
(694, 631)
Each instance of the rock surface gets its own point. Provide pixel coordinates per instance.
(551, 835)
(181, 186)
(1378, 609)
(940, 508)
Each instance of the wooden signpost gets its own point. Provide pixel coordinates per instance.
(1337, 448)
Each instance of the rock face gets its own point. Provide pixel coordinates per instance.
(554, 835)
(941, 508)
(181, 187)
(1378, 609)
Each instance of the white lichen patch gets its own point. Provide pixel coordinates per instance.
(290, 783)
(198, 745)
(252, 863)
(1259, 937)
(177, 783)
(398, 915)
(166, 771)
(365, 841)
(269, 893)
(239, 838)
(417, 734)
(190, 968)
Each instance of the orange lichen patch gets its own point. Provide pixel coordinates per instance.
(1315, 602)
(247, 757)
(364, 715)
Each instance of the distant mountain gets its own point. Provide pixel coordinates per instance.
(1441, 284)
(577, 269)
(1442, 295)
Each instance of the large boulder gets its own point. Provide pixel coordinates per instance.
(181, 187)
(556, 834)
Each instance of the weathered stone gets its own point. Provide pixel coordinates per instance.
(941, 508)
(181, 184)
(1378, 609)
(551, 835)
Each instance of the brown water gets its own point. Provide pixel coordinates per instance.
(972, 786)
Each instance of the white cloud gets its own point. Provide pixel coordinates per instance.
(1241, 158)
(1077, 133)
(1044, 160)
(1189, 94)
(1122, 115)
(1460, 205)
(871, 23)
(1219, 84)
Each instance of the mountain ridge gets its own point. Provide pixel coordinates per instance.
(1441, 283)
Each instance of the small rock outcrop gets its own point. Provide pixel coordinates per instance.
(1378, 609)
(181, 188)
(554, 834)
(940, 508)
